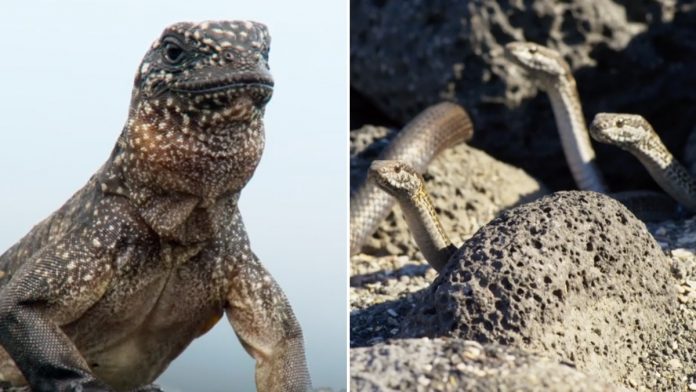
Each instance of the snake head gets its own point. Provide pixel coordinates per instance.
(396, 178)
(545, 67)
(619, 129)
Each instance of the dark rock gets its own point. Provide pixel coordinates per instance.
(627, 56)
(574, 275)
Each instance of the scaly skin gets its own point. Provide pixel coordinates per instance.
(438, 127)
(550, 72)
(406, 185)
(634, 134)
(107, 291)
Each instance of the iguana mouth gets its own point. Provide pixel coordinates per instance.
(240, 82)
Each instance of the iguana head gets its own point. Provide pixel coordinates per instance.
(205, 67)
(195, 122)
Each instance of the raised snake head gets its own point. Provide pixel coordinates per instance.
(622, 130)
(195, 124)
(545, 67)
(396, 178)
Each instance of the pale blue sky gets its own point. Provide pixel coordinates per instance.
(66, 70)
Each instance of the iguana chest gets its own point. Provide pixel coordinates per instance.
(159, 302)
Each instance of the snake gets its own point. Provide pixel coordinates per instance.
(633, 133)
(438, 127)
(547, 69)
(447, 124)
(406, 185)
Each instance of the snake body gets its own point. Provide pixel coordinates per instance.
(447, 124)
(406, 185)
(408, 188)
(634, 134)
(551, 73)
(438, 127)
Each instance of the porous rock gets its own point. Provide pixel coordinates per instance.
(468, 188)
(574, 275)
(461, 365)
(627, 56)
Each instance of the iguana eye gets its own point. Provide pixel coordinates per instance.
(173, 53)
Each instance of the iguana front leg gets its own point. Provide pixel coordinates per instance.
(53, 289)
(265, 324)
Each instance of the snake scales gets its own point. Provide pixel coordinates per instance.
(446, 124)
(438, 127)
(551, 73)
(634, 134)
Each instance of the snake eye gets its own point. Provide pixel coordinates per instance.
(532, 50)
(619, 123)
(173, 53)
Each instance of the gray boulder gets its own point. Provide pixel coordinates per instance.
(574, 275)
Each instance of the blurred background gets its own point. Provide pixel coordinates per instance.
(67, 69)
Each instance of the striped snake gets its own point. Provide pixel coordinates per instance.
(551, 73)
(634, 134)
(436, 128)
(447, 124)
(405, 184)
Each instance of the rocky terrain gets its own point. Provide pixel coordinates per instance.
(574, 278)
(567, 293)
(467, 186)
(627, 56)
(566, 263)
(462, 365)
